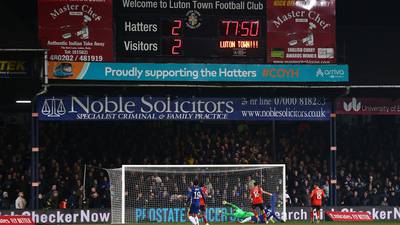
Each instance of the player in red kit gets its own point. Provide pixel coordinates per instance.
(257, 200)
(317, 195)
(203, 204)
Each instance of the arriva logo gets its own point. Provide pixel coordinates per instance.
(53, 107)
(353, 105)
(331, 73)
(320, 73)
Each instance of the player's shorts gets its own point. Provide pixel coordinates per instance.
(259, 205)
(194, 209)
(316, 207)
(254, 219)
(202, 208)
(259, 219)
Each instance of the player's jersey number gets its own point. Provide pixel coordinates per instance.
(319, 195)
(197, 195)
(256, 194)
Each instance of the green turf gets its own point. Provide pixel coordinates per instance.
(290, 223)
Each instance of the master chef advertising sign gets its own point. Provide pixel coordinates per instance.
(76, 30)
(301, 31)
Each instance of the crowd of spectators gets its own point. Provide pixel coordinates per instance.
(367, 158)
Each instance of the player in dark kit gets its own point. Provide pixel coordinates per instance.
(257, 200)
(316, 196)
(194, 201)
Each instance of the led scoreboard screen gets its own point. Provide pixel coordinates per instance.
(190, 30)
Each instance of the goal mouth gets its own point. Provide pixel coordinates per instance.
(184, 169)
(158, 193)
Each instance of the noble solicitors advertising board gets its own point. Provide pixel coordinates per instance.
(182, 108)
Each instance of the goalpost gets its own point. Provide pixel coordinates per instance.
(157, 193)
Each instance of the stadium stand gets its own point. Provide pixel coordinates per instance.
(365, 175)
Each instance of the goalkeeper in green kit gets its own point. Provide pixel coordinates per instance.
(238, 212)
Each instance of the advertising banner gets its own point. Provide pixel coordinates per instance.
(348, 216)
(250, 31)
(86, 216)
(196, 108)
(167, 215)
(301, 31)
(64, 216)
(22, 220)
(16, 64)
(368, 106)
(13, 68)
(162, 72)
(76, 30)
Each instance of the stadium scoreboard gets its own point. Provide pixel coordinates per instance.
(190, 29)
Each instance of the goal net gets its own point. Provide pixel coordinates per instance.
(143, 194)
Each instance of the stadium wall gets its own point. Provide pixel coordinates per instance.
(70, 216)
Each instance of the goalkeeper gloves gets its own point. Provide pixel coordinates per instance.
(188, 201)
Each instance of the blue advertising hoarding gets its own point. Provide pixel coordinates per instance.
(169, 72)
(196, 108)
